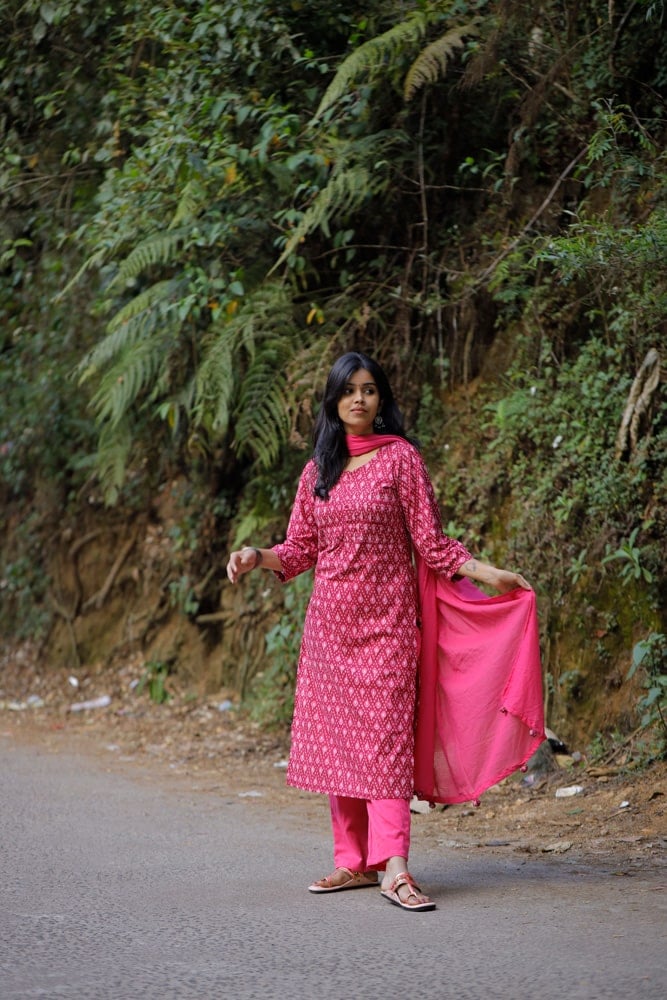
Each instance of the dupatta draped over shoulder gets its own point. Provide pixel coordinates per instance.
(480, 712)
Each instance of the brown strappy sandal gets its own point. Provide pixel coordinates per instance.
(355, 880)
(405, 878)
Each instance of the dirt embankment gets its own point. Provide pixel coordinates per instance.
(612, 811)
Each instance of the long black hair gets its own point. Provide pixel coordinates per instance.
(330, 450)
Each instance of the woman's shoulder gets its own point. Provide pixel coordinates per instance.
(402, 448)
(309, 471)
(406, 460)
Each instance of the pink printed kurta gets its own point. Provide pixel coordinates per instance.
(353, 725)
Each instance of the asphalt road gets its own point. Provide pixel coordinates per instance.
(122, 885)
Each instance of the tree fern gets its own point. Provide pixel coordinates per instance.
(113, 451)
(346, 191)
(193, 199)
(158, 248)
(216, 381)
(100, 255)
(136, 320)
(432, 62)
(374, 55)
(133, 371)
(269, 308)
(182, 402)
(158, 293)
(243, 374)
(262, 422)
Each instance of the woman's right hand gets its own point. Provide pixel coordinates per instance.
(240, 562)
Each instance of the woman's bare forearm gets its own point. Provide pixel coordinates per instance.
(500, 579)
(249, 558)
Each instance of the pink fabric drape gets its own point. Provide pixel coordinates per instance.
(480, 712)
(361, 444)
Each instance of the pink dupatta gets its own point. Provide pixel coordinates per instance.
(480, 712)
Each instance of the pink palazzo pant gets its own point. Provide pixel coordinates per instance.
(366, 833)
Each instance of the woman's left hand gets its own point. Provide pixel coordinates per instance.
(502, 580)
(506, 581)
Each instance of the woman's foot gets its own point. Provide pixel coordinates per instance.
(399, 887)
(344, 878)
(403, 891)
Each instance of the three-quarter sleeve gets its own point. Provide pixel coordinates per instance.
(417, 497)
(298, 552)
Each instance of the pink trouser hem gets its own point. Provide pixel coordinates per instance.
(367, 832)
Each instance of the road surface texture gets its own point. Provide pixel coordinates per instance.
(122, 884)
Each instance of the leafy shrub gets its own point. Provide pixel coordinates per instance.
(649, 657)
(272, 696)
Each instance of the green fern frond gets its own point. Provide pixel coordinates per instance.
(137, 319)
(193, 199)
(113, 451)
(346, 191)
(184, 399)
(161, 291)
(268, 311)
(215, 384)
(432, 62)
(158, 248)
(229, 344)
(96, 259)
(263, 419)
(373, 56)
(176, 406)
(134, 370)
(243, 374)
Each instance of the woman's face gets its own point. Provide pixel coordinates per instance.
(359, 403)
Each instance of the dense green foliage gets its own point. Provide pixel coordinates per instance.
(202, 203)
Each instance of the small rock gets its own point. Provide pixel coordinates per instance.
(419, 806)
(534, 781)
(84, 706)
(558, 847)
(570, 790)
(33, 701)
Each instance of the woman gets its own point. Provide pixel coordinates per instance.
(363, 503)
